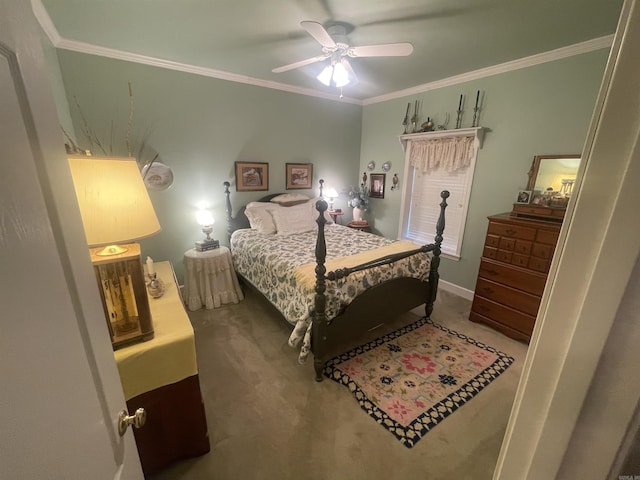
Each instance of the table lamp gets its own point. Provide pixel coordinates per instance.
(331, 194)
(116, 209)
(206, 221)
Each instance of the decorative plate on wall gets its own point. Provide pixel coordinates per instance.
(371, 165)
(386, 166)
(157, 176)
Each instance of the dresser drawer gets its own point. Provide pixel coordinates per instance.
(522, 301)
(547, 236)
(507, 243)
(492, 241)
(542, 251)
(490, 252)
(523, 246)
(518, 278)
(520, 260)
(539, 264)
(504, 315)
(513, 231)
(504, 256)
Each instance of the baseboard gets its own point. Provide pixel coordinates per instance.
(455, 289)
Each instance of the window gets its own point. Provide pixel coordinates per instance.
(437, 161)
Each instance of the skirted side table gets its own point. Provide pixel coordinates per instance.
(210, 279)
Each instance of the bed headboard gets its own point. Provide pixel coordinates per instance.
(241, 220)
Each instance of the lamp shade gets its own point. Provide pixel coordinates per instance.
(114, 203)
(331, 193)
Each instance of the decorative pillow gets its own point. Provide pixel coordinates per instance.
(290, 199)
(291, 220)
(259, 215)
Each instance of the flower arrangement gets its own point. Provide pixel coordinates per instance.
(359, 198)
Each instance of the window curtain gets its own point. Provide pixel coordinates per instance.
(449, 154)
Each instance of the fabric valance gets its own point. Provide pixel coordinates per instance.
(448, 153)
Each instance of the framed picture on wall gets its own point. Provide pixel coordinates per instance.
(376, 185)
(299, 175)
(252, 176)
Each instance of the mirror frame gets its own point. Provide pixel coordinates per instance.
(535, 166)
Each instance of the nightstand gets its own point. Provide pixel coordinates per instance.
(363, 226)
(210, 279)
(334, 214)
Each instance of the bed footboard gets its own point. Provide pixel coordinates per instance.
(406, 293)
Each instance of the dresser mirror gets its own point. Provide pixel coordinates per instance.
(553, 174)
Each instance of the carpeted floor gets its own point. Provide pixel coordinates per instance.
(268, 418)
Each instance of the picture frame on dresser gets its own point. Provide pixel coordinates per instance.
(524, 196)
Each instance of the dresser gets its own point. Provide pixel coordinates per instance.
(513, 271)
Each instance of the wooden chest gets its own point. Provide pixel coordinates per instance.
(513, 271)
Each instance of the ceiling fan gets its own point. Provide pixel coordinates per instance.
(335, 46)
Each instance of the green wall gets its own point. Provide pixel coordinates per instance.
(543, 109)
(200, 126)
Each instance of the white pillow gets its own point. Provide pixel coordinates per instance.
(259, 215)
(290, 198)
(289, 220)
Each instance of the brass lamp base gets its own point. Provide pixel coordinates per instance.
(123, 291)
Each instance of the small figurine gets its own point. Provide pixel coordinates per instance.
(427, 126)
(395, 181)
(364, 177)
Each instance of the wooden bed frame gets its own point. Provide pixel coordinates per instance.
(365, 312)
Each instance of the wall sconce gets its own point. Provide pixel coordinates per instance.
(116, 209)
(331, 194)
(206, 221)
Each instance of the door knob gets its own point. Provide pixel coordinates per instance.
(137, 420)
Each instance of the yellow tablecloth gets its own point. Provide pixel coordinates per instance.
(171, 355)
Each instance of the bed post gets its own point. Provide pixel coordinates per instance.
(434, 276)
(319, 329)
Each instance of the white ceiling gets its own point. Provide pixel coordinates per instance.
(244, 40)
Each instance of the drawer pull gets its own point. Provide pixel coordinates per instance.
(491, 271)
(484, 308)
(511, 231)
(488, 290)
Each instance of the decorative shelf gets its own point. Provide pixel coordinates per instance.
(476, 132)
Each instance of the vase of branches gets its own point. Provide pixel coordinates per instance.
(359, 201)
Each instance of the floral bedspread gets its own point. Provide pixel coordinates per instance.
(268, 262)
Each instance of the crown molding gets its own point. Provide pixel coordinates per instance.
(45, 22)
(91, 49)
(59, 42)
(550, 56)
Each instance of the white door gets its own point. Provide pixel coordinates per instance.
(60, 393)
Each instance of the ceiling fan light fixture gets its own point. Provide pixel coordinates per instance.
(326, 75)
(340, 75)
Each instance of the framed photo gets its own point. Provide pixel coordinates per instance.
(252, 176)
(376, 185)
(524, 196)
(299, 175)
(539, 199)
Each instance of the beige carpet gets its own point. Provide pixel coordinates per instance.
(269, 419)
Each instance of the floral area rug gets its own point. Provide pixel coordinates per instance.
(412, 379)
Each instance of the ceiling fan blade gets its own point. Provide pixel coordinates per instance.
(382, 50)
(301, 63)
(317, 31)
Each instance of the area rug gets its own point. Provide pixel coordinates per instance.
(412, 379)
